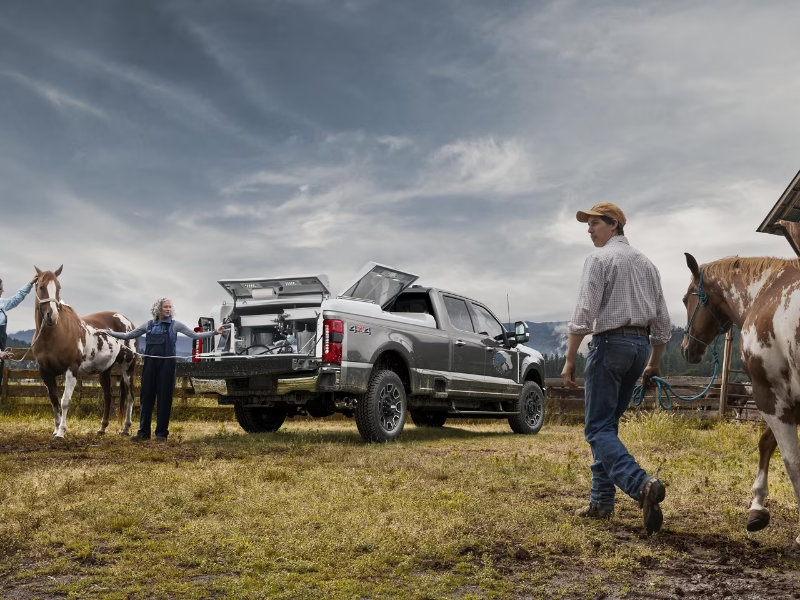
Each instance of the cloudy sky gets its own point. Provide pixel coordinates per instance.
(156, 146)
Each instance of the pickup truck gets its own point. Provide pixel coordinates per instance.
(381, 351)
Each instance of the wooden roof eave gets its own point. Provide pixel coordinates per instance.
(786, 208)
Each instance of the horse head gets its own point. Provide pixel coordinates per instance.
(706, 313)
(48, 296)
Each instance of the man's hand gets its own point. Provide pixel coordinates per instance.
(649, 372)
(568, 373)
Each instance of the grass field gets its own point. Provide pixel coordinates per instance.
(468, 511)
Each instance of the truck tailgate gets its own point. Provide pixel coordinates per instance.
(245, 367)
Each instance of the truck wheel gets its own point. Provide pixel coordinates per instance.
(531, 410)
(259, 419)
(381, 413)
(428, 419)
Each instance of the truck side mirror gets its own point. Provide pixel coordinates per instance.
(521, 333)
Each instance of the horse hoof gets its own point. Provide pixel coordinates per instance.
(757, 520)
(101, 432)
(125, 434)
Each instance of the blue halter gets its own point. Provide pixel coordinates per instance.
(703, 297)
(664, 391)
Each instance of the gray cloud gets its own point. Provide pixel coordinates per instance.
(155, 147)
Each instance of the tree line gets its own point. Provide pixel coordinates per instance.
(672, 363)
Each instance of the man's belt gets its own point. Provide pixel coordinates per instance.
(630, 330)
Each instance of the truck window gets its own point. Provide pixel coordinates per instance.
(412, 303)
(486, 323)
(458, 311)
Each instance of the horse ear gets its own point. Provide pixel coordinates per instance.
(38, 270)
(58, 271)
(692, 264)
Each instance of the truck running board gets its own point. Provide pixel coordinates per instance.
(494, 413)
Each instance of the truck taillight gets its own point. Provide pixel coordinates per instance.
(197, 346)
(332, 337)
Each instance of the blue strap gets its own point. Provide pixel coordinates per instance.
(665, 392)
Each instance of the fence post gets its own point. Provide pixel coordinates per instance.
(4, 387)
(726, 373)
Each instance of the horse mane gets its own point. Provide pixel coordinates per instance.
(750, 266)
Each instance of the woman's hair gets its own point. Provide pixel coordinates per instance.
(155, 310)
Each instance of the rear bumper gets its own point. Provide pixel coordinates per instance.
(246, 367)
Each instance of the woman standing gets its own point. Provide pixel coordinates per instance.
(158, 373)
(6, 305)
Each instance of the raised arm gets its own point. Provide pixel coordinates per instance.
(13, 301)
(185, 330)
(134, 333)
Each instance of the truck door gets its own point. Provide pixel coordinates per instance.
(500, 361)
(467, 347)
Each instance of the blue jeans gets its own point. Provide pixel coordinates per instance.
(613, 366)
(158, 381)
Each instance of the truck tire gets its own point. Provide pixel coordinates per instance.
(259, 419)
(422, 418)
(381, 413)
(531, 410)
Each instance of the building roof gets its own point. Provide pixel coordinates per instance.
(787, 208)
(784, 218)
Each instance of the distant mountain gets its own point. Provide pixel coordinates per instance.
(23, 336)
(548, 338)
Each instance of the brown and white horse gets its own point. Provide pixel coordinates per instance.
(761, 296)
(65, 344)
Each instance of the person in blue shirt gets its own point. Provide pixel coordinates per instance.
(6, 305)
(158, 372)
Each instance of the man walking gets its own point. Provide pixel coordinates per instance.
(621, 304)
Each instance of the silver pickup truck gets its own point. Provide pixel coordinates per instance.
(380, 351)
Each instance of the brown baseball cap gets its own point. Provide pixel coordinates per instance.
(604, 209)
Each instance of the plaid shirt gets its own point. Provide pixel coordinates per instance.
(620, 287)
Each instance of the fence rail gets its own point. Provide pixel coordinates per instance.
(23, 388)
(568, 403)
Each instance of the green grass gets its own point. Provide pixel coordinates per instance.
(468, 511)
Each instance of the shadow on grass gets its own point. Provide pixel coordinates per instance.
(229, 438)
(344, 435)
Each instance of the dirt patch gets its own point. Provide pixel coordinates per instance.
(708, 567)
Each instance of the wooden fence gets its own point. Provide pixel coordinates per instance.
(567, 403)
(23, 390)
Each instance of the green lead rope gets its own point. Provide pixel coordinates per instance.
(664, 391)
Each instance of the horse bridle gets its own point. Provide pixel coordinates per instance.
(703, 297)
(46, 300)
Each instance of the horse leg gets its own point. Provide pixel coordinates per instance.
(786, 435)
(126, 396)
(758, 515)
(105, 383)
(69, 386)
(52, 393)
